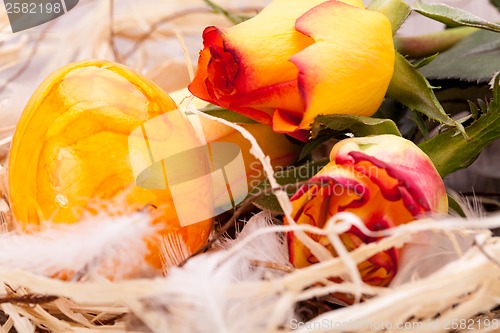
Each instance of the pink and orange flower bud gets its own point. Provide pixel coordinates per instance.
(298, 59)
(384, 180)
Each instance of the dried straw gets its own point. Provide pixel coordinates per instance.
(458, 290)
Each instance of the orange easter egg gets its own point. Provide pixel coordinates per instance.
(70, 153)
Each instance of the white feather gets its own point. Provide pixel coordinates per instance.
(270, 247)
(173, 251)
(111, 246)
(207, 301)
(429, 251)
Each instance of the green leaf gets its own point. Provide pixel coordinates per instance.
(474, 110)
(292, 175)
(425, 61)
(475, 59)
(453, 17)
(357, 125)
(496, 3)
(396, 11)
(450, 153)
(228, 115)
(482, 105)
(411, 88)
(235, 19)
(329, 127)
(316, 142)
(393, 110)
(417, 118)
(454, 96)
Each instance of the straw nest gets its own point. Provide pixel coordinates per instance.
(450, 271)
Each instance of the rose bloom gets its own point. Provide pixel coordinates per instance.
(384, 180)
(298, 59)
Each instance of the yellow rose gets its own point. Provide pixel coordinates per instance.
(385, 180)
(298, 59)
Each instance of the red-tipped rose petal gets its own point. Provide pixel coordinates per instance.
(348, 68)
(386, 157)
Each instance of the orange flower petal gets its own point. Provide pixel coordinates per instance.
(198, 86)
(344, 189)
(241, 58)
(221, 80)
(265, 43)
(333, 72)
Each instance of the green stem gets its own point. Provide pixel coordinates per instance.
(426, 45)
(235, 19)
